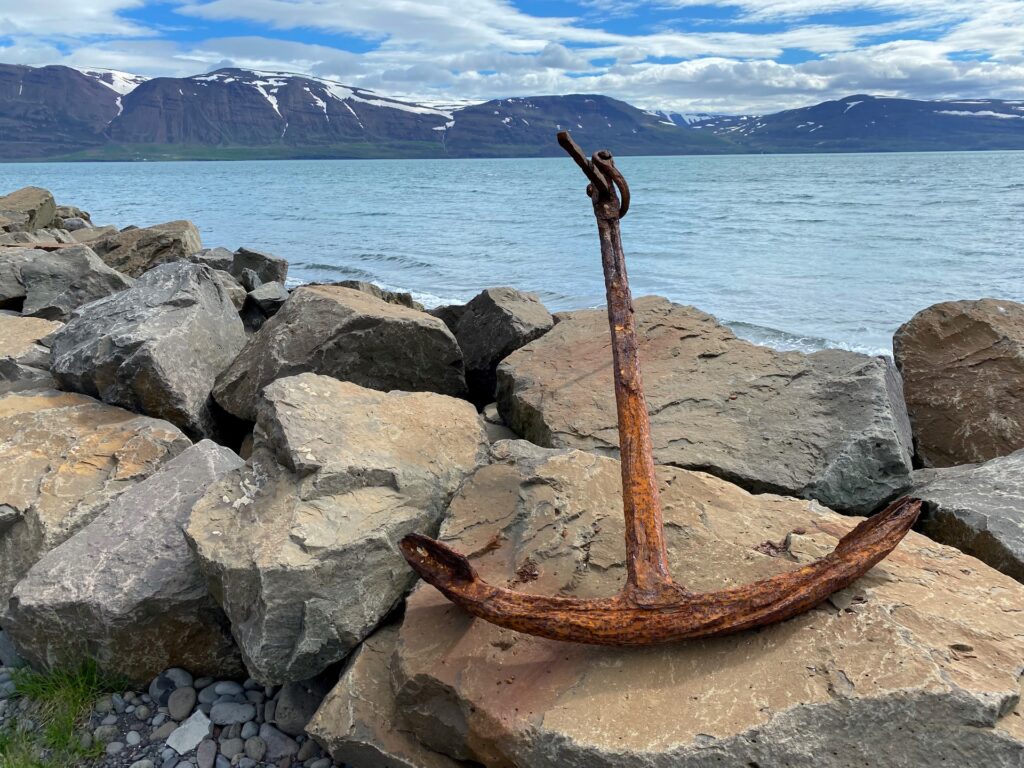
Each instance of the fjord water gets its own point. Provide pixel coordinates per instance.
(797, 251)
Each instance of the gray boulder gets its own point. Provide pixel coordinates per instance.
(300, 545)
(359, 723)
(349, 335)
(155, 348)
(829, 426)
(914, 665)
(51, 284)
(63, 457)
(25, 353)
(134, 251)
(73, 212)
(31, 207)
(977, 508)
(262, 303)
(265, 266)
(492, 326)
(214, 258)
(126, 591)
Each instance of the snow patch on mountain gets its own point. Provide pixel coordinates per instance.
(122, 83)
(979, 113)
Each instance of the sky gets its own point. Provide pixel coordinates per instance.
(720, 56)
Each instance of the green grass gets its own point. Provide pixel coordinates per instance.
(59, 704)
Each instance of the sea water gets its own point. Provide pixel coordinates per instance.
(796, 251)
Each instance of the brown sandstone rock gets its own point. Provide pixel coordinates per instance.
(963, 375)
(33, 206)
(134, 251)
(24, 357)
(360, 724)
(829, 426)
(915, 665)
(63, 457)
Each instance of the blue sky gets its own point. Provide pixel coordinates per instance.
(684, 55)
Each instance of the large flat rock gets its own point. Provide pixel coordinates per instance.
(51, 284)
(299, 546)
(347, 334)
(155, 348)
(135, 251)
(360, 724)
(963, 372)
(63, 457)
(979, 509)
(916, 664)
(126, 591)
(829, 426)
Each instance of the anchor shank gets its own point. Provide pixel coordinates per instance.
(646, 558)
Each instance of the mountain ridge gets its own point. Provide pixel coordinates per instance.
(60, 113)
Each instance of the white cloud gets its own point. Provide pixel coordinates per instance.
(489, 48)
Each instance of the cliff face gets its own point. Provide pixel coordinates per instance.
(232, 107)
(48, 111)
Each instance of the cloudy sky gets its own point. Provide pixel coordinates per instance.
(686, 55)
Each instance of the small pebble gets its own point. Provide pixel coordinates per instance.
(308, 750)
(181, 703)
(167, 754)
(227, 713)
(143, 764)
(110, 719)
(208, 695)
(206, 754)
(255, 748)
(231, 747)
(170, 762)
(228, 688)
(249, 730)
(180, 677)
(165, 730)
(134, 738)
(158, 719)
(114, 747)
(323, 762)
(246, 762)
(142, 713)
(202, 682)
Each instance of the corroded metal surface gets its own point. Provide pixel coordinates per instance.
(652, 608)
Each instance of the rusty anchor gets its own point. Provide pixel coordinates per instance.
(651, 608)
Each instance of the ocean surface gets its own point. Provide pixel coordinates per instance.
(796, 251)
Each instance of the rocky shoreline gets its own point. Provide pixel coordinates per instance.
(205, 475)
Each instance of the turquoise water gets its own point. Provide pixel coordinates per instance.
(801, 251)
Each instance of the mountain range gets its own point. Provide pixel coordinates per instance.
(59, 113)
